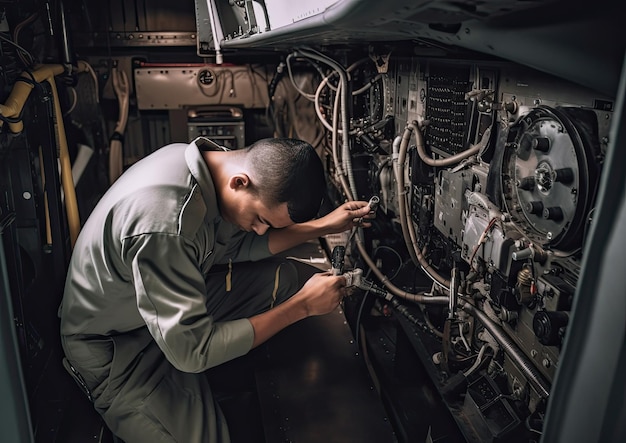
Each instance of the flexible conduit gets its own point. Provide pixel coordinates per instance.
(12, 108)
(345, 95)
(529, 370)
(413, 127)
(408, 230)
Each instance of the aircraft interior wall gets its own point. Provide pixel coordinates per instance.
(487, 166)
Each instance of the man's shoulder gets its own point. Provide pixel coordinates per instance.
(192, 213)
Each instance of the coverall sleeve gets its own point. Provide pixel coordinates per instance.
(171, 296)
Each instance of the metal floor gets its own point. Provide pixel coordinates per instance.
(314, 387)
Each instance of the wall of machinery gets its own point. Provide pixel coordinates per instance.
(486, 175)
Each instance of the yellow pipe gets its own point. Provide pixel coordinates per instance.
(67, 181)
(12, 108)
(14, 104)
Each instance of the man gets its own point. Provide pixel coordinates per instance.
(165, 279)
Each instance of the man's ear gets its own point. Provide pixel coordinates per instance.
(239, 181)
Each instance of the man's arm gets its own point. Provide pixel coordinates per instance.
(320, 295)
(341, 219)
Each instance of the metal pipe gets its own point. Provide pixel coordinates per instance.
(12, 108)
(509, 346)
(454, 284)
(67, 181)
(215, 32)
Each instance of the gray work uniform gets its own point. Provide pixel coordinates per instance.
(145, 311)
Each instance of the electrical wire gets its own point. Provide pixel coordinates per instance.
(345, 118)
(307, 95)
(116, 155)
(396, 253)
(20, 49)
(94, 77)
(16, 33)
(74, 101)
(481, 241)
(357, 332)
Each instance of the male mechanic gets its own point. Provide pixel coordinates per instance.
(165, 279)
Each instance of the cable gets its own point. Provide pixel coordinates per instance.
(413, 127)
(116, 155)
(94, 77)
(20, 49)
(481, 241)
(511, 348)
(345, 118)
(16, 33)
(408, 230)
(357, 326)
(74, 100)
(396, 253)
(308, 96)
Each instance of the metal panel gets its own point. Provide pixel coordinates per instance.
(169, 87)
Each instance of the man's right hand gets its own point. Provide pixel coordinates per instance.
(322, 293)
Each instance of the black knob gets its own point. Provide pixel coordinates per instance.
(534, 207)
(526, 183)
(541, 144)
(547, 326)
(564, 175)
(553, 213)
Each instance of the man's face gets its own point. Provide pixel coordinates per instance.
(250, 214)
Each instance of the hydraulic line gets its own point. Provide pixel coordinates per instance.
(398, 168)
(408, 230)
(410, 238)
(414, 128)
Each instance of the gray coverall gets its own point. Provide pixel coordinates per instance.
(143, 312)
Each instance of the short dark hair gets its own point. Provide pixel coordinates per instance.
(287, 170)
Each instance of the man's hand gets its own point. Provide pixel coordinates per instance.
(319, 295)
(322, 293)
(347, 216)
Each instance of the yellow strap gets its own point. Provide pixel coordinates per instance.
(276, 282)
(229, 275)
